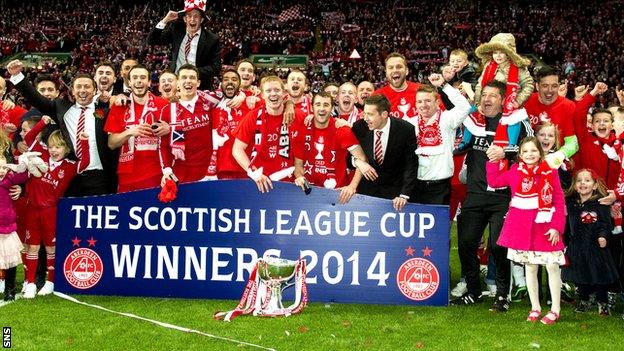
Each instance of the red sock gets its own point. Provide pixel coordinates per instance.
(50, 264)
(31, 267)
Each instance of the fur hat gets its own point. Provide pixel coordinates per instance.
(504, 42)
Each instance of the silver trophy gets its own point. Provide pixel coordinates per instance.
(275, 273)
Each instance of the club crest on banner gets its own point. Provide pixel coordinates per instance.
(418, 279)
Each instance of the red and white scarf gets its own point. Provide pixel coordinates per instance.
(351, 117)
(532, 193)
(127, 150)
(429, 141)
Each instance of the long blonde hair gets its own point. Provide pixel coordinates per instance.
(5, 144)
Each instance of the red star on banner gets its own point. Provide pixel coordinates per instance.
(91, 241)
(75, 241)
(426, 251)
(409, 251)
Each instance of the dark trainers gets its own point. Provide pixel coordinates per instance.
(603, 309)
(583, 306)
(466, 299)
(568, 293)
(612, 299)
(501, 304)
(519, 293)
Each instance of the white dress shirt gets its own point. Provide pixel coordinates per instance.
(192, 57)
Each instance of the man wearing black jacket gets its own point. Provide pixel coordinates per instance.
(389, 144)
(99, 176)
(484, 205)
(190, 44)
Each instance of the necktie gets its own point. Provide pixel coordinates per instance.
(187, 46)
(378, 148)
(82, 150)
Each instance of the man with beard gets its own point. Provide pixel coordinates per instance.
(136, 128)
(191, 123)
(247, 73)
(364, 90)
(389, 143)
(546, 105)
(485, 205)
(96, 169)
(122, 86)
(321, 150)
(346, 103)
(105, 79)
(226, 119)
(190, 43)
(296, 86)
(399, 91)
(263, 131)
(435, 131)
(168, 86)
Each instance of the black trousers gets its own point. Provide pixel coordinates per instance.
(584, 290)
(616, 247)
(478, 211)
(87, 183)
(432, 192)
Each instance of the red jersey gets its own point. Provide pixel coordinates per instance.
(353, 116)
(47, 190)
(304, 106)
(269, 139)
(191, 130)
(560, 113)
(324, 152)
(403, 102)
(138, 153)
(226, 120)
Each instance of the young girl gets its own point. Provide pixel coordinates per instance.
(589, 227)
(537, 207)
(43, 195)
(10, 244)
(501, 62)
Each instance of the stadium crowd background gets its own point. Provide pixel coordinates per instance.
(581, 38)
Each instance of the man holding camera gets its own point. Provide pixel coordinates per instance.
(137, 129)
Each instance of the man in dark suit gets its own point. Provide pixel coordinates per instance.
(98, 175)
(389, 144)
(190, 44)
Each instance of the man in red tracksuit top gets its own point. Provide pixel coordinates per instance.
(136, 128)
(191, 128)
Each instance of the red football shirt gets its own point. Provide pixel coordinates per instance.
(226, 120)
(270, 139)
(138, 153)
(324, 152)
(403, 102)
(560, 113)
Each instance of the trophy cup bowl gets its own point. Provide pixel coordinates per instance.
(275, 272)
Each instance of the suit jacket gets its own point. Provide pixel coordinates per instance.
(399, 170)
(208, 60)
(56, 109)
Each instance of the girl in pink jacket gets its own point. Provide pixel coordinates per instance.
(535, 222)
(10, 244)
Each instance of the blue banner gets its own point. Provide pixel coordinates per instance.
(204, 244)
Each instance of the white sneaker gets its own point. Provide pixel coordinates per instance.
(460, 289)
(1, 284)
(47, 289)
(492, 289)
(30, 290)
